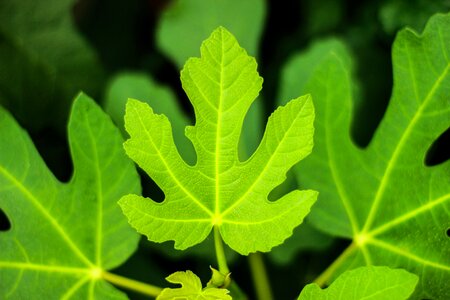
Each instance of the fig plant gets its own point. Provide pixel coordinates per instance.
(65, 238)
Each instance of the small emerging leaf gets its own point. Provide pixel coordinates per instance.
(191, 289)
(374, 283)
(220, 190)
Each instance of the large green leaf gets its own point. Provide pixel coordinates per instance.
(63, 235)
(43, 61)
(220, 190)
(371, 283)
(393, 207)
(186, 23)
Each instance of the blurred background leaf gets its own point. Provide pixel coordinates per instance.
(395, 14)
(186, 23)
(44, 61)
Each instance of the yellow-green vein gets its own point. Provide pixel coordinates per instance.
(99, 190)
(218, 132)
(263, 171)
(407, 254)
(266, 220)
(74, 288)
(391, 163)
(172, 175)
(409, 215)
(45, 213)
(170, 220)
(42, 268)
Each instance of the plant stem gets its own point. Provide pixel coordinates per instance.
(234, 288)
(259, 275)
(141, 287)
(220, 253)
(323, 278)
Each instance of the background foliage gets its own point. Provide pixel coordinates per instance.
(112, 50)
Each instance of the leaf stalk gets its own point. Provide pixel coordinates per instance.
(134, 285)
(326, 275)
(220, 253)
(259, 276)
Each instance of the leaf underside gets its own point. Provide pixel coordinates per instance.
(374, 283)
(219, 190)
(63, 235)
(393, 207)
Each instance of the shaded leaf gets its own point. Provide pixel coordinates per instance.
(396, 14)
(64, 235)
(383, 198)
(44, 61)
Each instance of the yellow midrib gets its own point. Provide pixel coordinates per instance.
(169, 170)
(218, 135)
(99, 229)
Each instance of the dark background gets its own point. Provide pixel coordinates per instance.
(122, 35)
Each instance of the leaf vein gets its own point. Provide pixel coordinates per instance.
(46, 214)
(391, 163)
